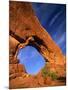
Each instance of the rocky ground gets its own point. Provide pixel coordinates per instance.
(18, 78)
(23, 80)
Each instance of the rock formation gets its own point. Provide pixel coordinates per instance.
(24, 24)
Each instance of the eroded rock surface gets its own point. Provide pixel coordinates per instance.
(23, 25)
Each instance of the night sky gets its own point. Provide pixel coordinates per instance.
(53, 19)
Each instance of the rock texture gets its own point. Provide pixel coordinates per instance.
(23, 25)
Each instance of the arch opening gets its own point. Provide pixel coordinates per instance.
(32, 60)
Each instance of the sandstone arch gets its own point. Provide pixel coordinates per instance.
(24, 23)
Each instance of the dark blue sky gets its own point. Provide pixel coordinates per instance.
(53, 18)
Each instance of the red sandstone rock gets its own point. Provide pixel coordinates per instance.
(22, 17)
(23, 23)
(16, 68)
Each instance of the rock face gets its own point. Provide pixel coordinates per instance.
(24, 24)
(15, 68)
